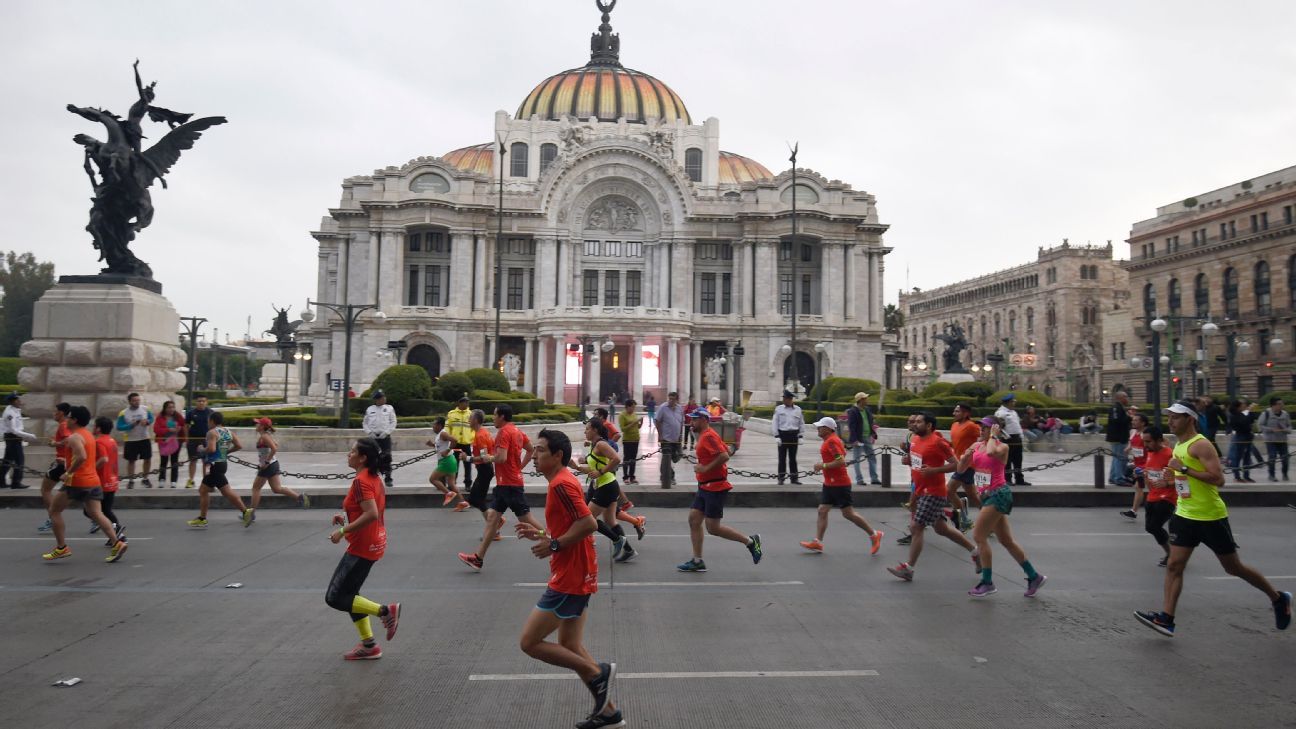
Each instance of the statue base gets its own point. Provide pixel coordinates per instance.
(93, 343)
(956, 377)
(115, 279)
(271, 383)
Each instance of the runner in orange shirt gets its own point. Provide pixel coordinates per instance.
(713, 486)
(106, 465)
(964, 432)
(1161, 494)
(836, 488)
(81, 484)
(59, 466)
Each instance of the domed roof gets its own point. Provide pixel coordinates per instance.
(735, 168)
(479, 158)
(605, 92)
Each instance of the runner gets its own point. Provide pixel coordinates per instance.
(196, 417)
(135, 421)
(614, 435)
(568, 543)
(365, 529)
(447, 466)
(964, 431)
(712, 471)
(512, 452)
(483, 447)
(220, 443)
(986, 460)
(106, 467)
(907, 538)
(167, 430)
(81, 484)
(1136, 451)
(929, 457)
(1161, 496)
(268, 468)
(62, 453)
(600, 467)
(1202, 518)
(836, 488)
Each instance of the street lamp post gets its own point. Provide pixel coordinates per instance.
(303, 354)
(796, 377)
(1232, 345)
(499, 238)
(191, 325)
(350, 314)
(995, 359)
(1157, 326)
(737, 354)
(820, 348)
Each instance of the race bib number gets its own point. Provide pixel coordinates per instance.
(1136, 452)
(1181, 486)
(1155, 477)
(915, 460)
(981, 479)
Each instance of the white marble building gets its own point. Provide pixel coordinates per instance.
(623, 221)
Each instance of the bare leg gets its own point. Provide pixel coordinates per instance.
(1174, 577)
(716, 529)
(943, 528)
(1138, 499)
(1004, 531)
(853, 517)
(47, 493)
(57, 504)
(917, 532)
(257, 483)
(233, 498)
(695, 532)
(493, 521)
(148, 466)
(540, 625)
(1233, 565)
(204, 500)
(821, 521)
(94, 510)
(986, 522)
(276, 485)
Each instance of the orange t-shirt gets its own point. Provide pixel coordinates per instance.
(574, 569)
(61, 433)
(509, 472)
(963, 435)
(483, 444)
(370, 541)
(709, 446)
(1160, 483)
(831, 448)
(931, 451)
(106, 447)
(86, 476)
(613, 433)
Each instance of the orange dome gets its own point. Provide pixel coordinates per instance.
(605, 92)
(735, 168)
(479, 158)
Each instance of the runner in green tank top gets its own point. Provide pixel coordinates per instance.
(1202, 518)
(600, 467)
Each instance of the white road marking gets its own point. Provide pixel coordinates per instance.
(690, 583)
(1140, 534)
(70, 539)
(677, 674)
(1272, 577)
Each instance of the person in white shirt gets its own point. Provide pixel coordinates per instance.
(380, 423)
(1012, 428)
(137, 422)
(11, 425)
(786, 427)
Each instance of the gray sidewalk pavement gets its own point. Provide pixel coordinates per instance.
(798, 640)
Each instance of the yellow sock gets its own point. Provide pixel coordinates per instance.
(365, 607)
(362, 625)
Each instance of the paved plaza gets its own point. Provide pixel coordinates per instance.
(160, 641)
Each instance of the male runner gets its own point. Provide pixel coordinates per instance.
(1161, 496)
(1136, 451)
(568, 543)
(836, 488)
(964, 432)
(62, 453)
(109, 475)
(713, 486)
(510, 456)
(197, 423)
(81, 484)
(1202, 518)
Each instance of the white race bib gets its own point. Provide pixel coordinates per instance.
(981, 479)
(915, 460)
(1155, 477)
(1181, 486)
(1136, 452)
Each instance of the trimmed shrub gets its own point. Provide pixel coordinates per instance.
(494, 395)
(844, 388)
(936, 389)
(976, 392)
(922, 404)
(899, 396)
(402, 383)
(485, 378)
(1288, 398)
(9, 367)
(452, 385)
(1028, 397)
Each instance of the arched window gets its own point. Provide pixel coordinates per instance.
(1149, 301)
(1264, 303)
(804, 194)
(1012, 322)
(548, 153)
(1201, 295)
(1231, 293)
(693, 164)
(1093, 273)
(1050, 316)
(1030, 320)
(983, 327)
(1172, 296)
(997, 332)
(518, 159)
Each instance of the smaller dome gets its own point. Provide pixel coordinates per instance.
(479, 158)
(735, 168)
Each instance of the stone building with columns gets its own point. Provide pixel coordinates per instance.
(624, 223)
(1044, 318)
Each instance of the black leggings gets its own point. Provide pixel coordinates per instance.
(174, 460)
(614, 533)
(1155, 516)
(347, 580)
(107, 507)
(1014, 472)
(628, 465)
(481, 486)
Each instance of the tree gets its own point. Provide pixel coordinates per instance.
(893, 318)
(23, 280)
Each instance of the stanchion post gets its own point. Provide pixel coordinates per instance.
(886, 470)
(1100, 471)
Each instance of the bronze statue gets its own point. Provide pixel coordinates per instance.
(283, 333)
(955, 343)
(121, 205)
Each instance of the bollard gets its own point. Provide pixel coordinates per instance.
(886, 470)
(1100, 471)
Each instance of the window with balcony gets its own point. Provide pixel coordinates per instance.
(590, 288)
(1201, 295)
(1231, 293)
(633, 288)
(516, 288)
(1172, 296)
(785, 293)
(726, 293)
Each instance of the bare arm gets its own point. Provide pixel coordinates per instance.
(78, 458)
(368, 513)
(612, 457)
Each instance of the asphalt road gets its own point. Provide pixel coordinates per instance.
(159, 641)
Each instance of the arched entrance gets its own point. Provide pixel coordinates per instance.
(425, 356)
(805, 370)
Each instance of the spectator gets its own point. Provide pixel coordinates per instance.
(1089, 424)
(1275, 425)
(1240, 447)
(1118, 432)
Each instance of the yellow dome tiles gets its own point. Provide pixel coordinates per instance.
(605, 93)
(735, 168)
(479, 158)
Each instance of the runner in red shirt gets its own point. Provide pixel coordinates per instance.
(930, 456)
(62, 454)
(837, 488)
(109, 475)
(713, 486)
(364, 526)
(1161, 495)
(1136, 451)
(81, 484)
(512, 452)
(568, 543)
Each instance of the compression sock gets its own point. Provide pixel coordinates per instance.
(366, 632)
(362, 606)
(1030, 569)
(986, 576)
(619, 531)
(606, 531)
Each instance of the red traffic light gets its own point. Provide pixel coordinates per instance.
(1174, 380)
(1269, 364)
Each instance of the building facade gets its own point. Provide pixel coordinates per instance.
(1227, 257)
(625, 228)
(1045, 318)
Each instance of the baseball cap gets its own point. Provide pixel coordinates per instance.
(1180, 409)
(379, 393)
(12, 396)
(788, 393)
(700, 413)
(1007, 398)
(861, 396)
(714, 399)
(989, 421)
(826, 422)
(264, 422)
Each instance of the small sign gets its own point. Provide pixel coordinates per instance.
(335, 385)
(1023, 360)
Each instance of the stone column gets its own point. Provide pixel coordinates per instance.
(547, 273)
(664, 274)
(541, 369)
(577, 274)
(767, 291)
(528, 365)
(738, 287)
(636, 369)
(695, 368)
(672, 365)
(322, 292)
(461, 270)
(389, 283)
(479, 273)
(831, 282)
(595, 373)
(851, 251)
(368, 290)
(560, 371)
(681, 276)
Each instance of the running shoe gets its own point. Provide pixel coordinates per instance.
(450, 496)
(48, 525)
(693, 565)
(601, 686)
(94, 527)
(877, 540)
(1282, 610)
(1160, 622)
(1034, 584)
(118, 551)
(472, 560)
(189, 484)
(905, 540)
(249, 516)
(303, 500)
(461, 506)
(628, 554)
(903, 571)
(363, 653)
(639, 527)
(147, 483)
(173, 485)
(58, 553)
(1164, 561)
(1129, 514)
(391, 620)
(814, 545)
(199, 523)
(983, 589)
(755, 549)
(618, 547)
(976, 560)
(594, 721)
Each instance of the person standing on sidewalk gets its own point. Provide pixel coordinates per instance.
(1013, 430)
(670, 426)
(629, 420)
(650, 407)
(1118, 433)
(836, 488)
(1275, 426)
(136, 420)
(196, 417)
(168, 429)
(379, 423)
(712, 471)
(1239, 458)
(863, 434)
(11, 424)
(1202, 518)
(786, 426)
(459, 423)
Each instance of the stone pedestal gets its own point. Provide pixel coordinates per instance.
(956, 377)
(271, 383)
(95, 343)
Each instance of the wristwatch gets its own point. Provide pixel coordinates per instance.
(554, 546)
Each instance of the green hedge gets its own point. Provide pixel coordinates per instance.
(1288, 397)
(452, 385)
(843, 388)
(9, 367)
(898, 396)
(936, 389)
(1028, 397)
(485, 378)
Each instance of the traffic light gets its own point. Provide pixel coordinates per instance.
(1269, 364)
(1175, 379)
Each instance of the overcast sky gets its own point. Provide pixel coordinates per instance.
(986, 129)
